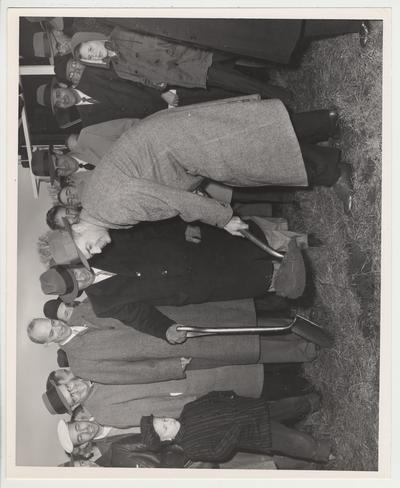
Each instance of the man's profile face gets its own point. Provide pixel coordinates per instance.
(64, 97)
(82, 431)
(65, 165)
(90, 239)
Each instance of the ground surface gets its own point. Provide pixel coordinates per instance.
(346, 270)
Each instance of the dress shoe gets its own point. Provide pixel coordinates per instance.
(364, 32)
(344, 187)
(334, 127)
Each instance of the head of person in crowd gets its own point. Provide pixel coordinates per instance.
(71, 141)
(66, 281)
(158, 431)
(65, 392)
(47, 331)
(44, 163)
(55, 95)
(69, 196)
(89, 238)
(55, 216)
(92, 48)
(59, 310)
(68, 70)
(77, 461)
(77, 433)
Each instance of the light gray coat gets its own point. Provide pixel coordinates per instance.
(151, 170)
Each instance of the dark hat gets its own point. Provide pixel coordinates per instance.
(50, 308)
(60, 280)
(60, 68)
(149, 435)
(63, 248)
(44, 94)
(44, 164)
(54, 401)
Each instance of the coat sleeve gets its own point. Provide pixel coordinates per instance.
(144, 200)
(130, 372)
(142, 317)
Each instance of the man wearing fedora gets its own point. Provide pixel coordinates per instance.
(122, 406)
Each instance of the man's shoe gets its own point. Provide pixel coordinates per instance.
(314, 400)
(290, 279)
(364, 32)
(344, 187)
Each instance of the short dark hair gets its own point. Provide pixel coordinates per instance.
(52, 215)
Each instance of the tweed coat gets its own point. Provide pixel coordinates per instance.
(156, 164)
(110, 352)
(217, 425)
(95, 140)
(123, 405)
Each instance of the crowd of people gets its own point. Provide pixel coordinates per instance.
(151, 206)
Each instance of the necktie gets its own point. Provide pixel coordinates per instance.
(87, 166)
(88, 99)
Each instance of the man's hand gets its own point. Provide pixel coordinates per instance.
(193, 234)
(175, 336)
(185, 362)
(171, 98)
(235, 225)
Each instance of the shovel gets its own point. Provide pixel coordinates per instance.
(300, 326)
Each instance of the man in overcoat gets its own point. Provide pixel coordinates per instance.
(239, 142)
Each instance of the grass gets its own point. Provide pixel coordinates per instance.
(346, 270)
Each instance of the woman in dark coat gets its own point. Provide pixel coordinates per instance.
(216, 426)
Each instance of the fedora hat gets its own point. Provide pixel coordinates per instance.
(64, 437)
(54, 401)
(63, 248)
(44, 94)
(44, 164)
(50, 308)
(60, 280)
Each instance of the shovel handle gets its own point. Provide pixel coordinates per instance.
(232, 330)
(255, 240)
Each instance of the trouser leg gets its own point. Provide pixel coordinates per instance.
(262, 194)
(224, 76)
(289, 408)
(313, 126)
(291, 442)
(330, 27)
(321, 164)
(286, 348)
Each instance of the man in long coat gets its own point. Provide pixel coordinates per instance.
(239, 142)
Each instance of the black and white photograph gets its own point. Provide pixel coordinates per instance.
(198, 242)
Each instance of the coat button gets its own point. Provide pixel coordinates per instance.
(164, 272)
(123, 109)
(138, 274)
